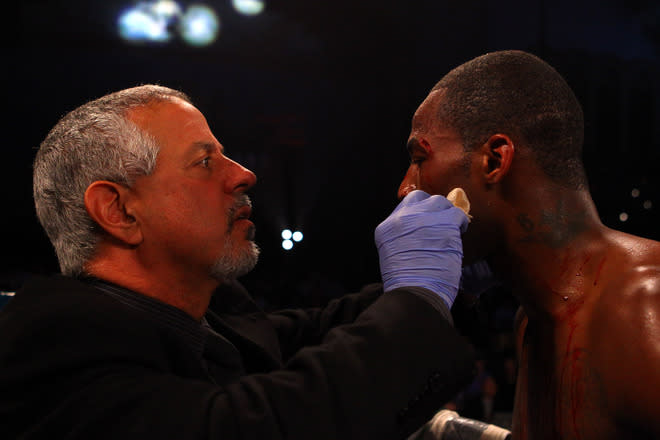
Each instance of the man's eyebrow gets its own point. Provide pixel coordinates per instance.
(204, 146)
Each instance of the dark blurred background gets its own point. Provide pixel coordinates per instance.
(316, 98)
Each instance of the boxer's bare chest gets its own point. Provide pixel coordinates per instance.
(560, 392)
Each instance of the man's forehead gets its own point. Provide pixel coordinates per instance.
(177, 126)
(156, 108)
(171, 118)
(426, 113)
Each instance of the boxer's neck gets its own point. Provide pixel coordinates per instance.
(550, 252)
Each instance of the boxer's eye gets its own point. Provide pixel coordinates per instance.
(417, 160)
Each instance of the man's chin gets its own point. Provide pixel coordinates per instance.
(232, 265)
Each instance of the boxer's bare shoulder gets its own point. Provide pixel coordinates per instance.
(592, 370)
(625, 340)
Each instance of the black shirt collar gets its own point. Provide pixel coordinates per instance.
(183, 325)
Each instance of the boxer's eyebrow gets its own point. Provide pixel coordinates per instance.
(413, 144)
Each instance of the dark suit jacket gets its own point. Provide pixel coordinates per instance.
(78, 364)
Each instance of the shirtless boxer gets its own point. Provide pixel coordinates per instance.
(508, 129)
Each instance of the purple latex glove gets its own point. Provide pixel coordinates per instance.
(420, 245)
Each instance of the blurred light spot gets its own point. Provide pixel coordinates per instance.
(286, 234)
(634, 193)
(297, 236)
(199, 25)
(248, 7)
(167, 9)
(287, 245)
(648, 204)
(149, 21)
(623, 216)
(136, 25)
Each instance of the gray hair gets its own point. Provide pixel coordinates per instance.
(94, 142)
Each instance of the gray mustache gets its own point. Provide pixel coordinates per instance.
(239, 202)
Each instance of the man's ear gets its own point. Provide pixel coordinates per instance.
(498, 157)
(106, 202)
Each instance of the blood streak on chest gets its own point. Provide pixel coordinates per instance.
(570, 354)
(571, 376)
(598, 271)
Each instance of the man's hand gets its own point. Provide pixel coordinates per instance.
(420, 245)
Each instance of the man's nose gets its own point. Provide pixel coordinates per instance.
(241, 178)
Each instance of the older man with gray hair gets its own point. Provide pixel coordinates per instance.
(147, 334)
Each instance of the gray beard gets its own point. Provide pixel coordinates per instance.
(234, 261)
(232, 265)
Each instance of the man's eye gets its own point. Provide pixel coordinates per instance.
(205, 162)
(416, 160)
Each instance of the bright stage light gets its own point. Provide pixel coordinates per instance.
(137, 25)
(248, 7)
(199, 25)
(149, 21)
(287, 245)
(286, 234)
(297, 236)
(158, 21)
(167, 9)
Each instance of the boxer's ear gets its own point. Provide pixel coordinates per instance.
(108, 204)
(498, 152)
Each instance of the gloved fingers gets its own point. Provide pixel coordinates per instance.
(422, 201)
(410, 199)
(413, 197)
(458, 217)
(437, 244)
(419, 244)
(419, 201)
(433, 223)
(446, 216)
(435, 203)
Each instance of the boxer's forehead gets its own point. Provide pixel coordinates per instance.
(425, 116)
(428, 131)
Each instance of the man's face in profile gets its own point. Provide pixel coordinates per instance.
(439, 163)
(437, 158)
(191, 207)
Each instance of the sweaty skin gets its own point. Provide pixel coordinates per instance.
(589, 370)
(588, 332)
